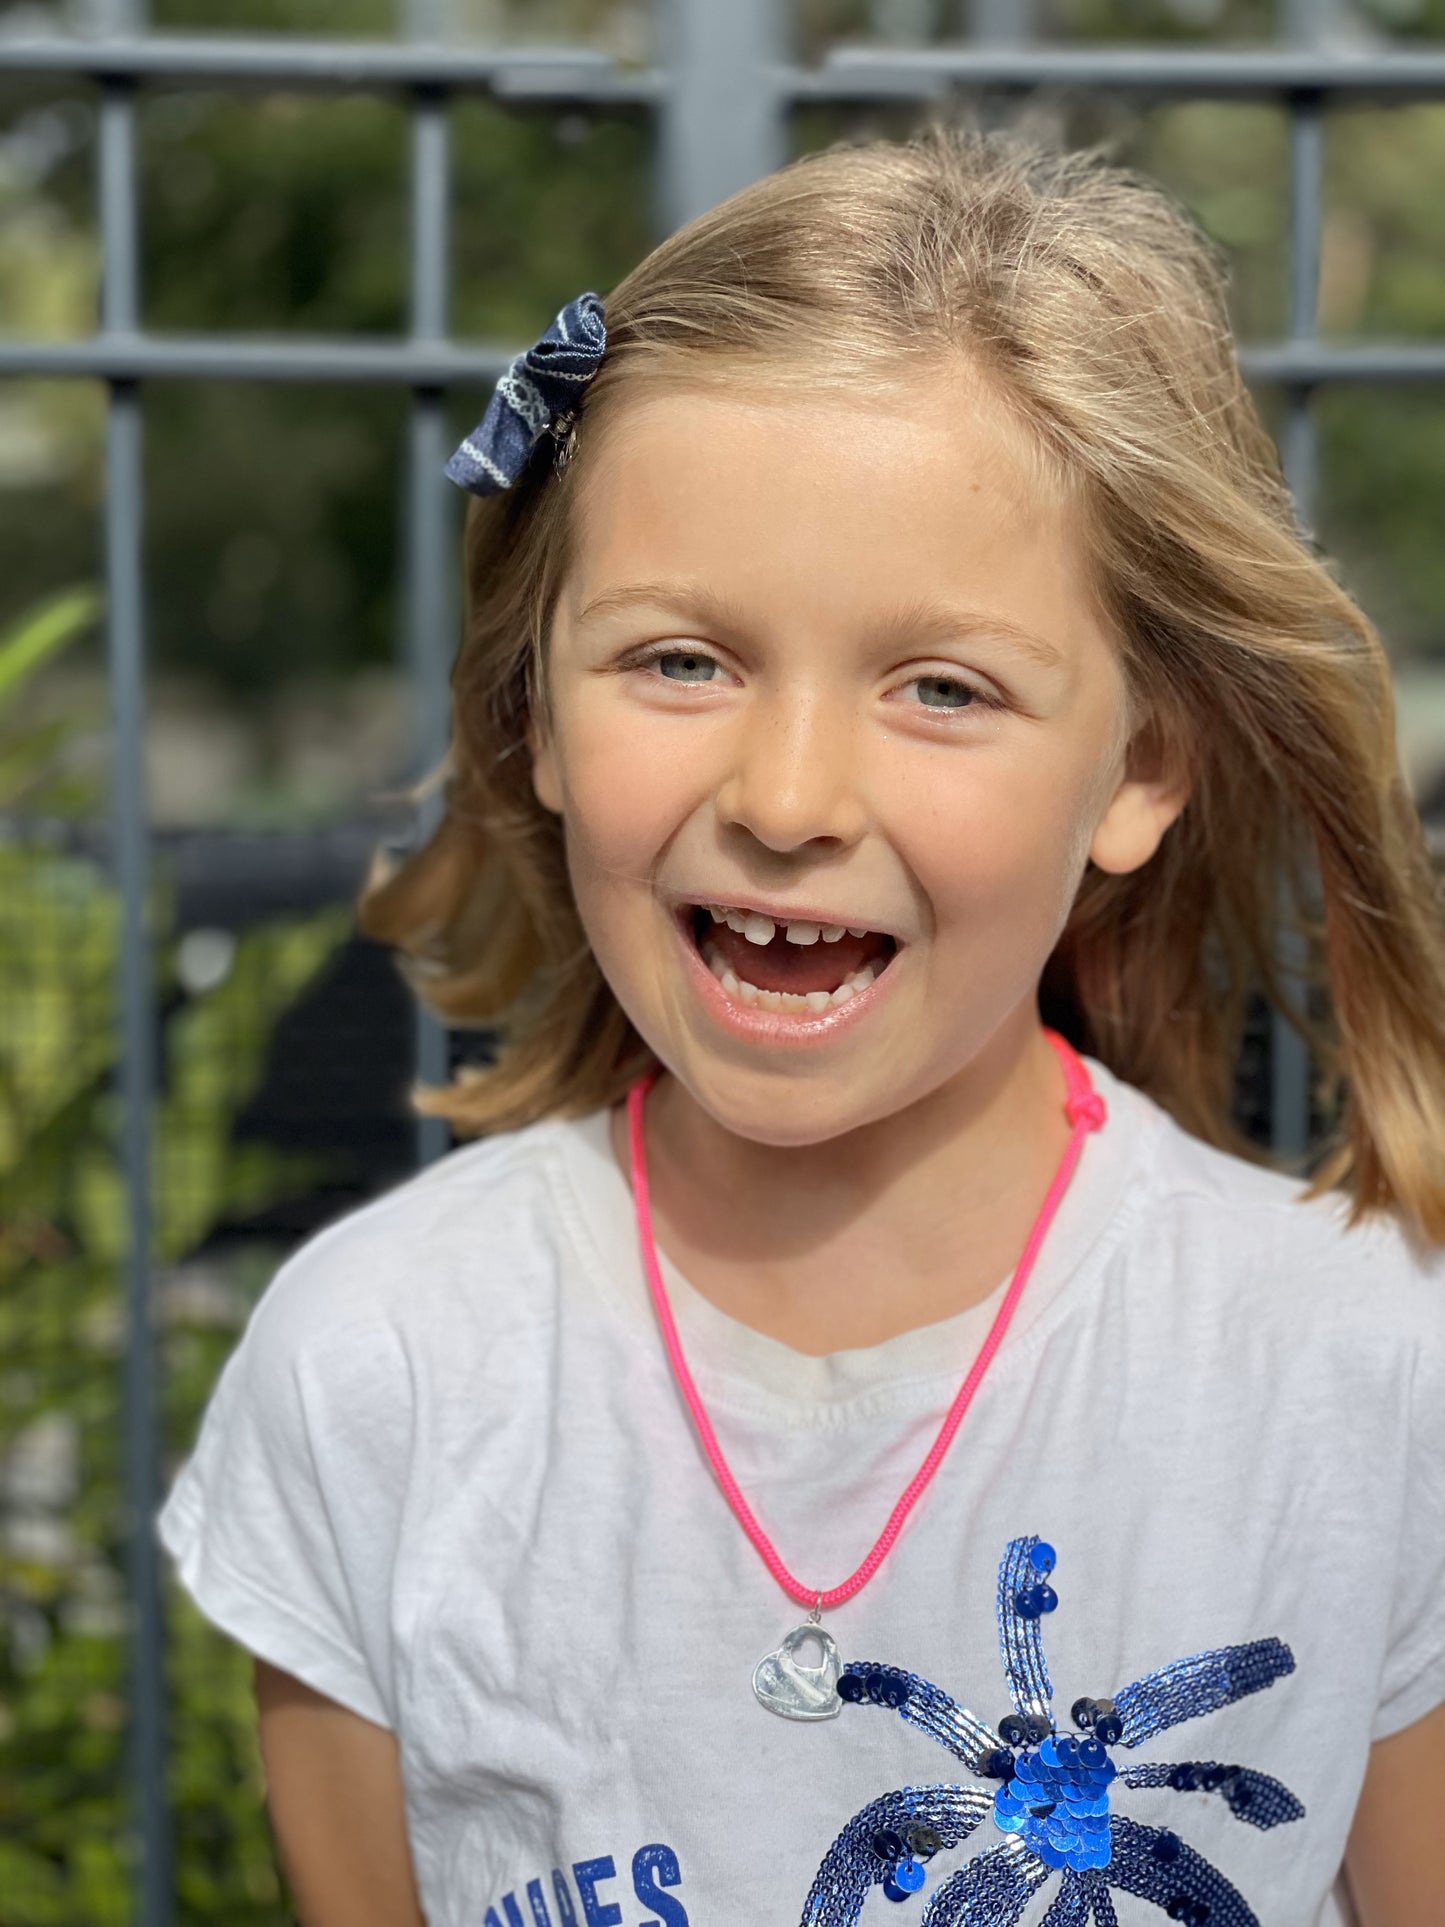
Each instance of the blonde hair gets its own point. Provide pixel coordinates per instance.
(1097, 311)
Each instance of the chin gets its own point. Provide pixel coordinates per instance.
(788, 1108)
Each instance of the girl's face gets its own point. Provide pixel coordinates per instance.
(838, 659)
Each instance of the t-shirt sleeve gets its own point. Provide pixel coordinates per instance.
(283, 1523)
(1413, 1678)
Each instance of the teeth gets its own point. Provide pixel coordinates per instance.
(812, 1000)
(760, 929)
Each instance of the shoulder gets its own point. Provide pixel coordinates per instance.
(1279, 1377)
(1252, 1236)
(435, 1251)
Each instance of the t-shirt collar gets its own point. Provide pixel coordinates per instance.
(746, 1368)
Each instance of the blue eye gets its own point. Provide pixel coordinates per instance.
(694, 658)
(964, 691)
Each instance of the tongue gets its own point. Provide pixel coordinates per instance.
(800, 967)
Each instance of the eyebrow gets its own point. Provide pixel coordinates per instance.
(930, 621)
(689, 597)
(920, 621)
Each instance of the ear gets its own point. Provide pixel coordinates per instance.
(546, 784)
(1133, 826)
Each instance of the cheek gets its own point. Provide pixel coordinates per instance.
(1002, 847)
(623, 799)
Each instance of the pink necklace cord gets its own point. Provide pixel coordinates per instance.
(1085, 1111)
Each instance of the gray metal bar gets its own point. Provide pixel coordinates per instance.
(722, 123)
(445, 364)
(1314, 363)
(430, 189)
(430, 543)
(132, 357)
(905, 23)
(848, 73)
(120, 270)
(1002, 23)
(125, 641)
(430, 635)
(1003, 26)
(1303, 23)
(863, 73)
(146, 1734)
(426, 20)
(1306, 175)
(1289, 1055)
(235, 60)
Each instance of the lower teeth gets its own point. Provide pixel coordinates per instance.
(743, 992)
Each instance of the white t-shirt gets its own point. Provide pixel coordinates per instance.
(447, 1480)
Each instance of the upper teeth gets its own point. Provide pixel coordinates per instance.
(759, 929)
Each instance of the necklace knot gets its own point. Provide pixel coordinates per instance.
(1088, 1109)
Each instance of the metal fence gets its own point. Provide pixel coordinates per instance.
(721, 92)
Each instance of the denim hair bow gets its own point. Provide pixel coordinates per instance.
(538, 393)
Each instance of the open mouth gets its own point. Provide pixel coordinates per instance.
(801, 967)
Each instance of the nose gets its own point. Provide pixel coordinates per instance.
(793, 775)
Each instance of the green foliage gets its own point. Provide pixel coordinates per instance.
(1380, 518)
(45, 631)
(273, 512)
(63, 1242)
(1158, 21)
(225, 1867)
(351, 17)
(28, 773)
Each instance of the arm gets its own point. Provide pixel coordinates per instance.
(1395, 1861)
(334, 1793)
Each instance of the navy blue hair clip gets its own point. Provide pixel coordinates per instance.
(538, 395)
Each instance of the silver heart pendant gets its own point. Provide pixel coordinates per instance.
(795, 1690)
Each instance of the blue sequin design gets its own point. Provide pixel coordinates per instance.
(1058, 1804)
(994, 1887)
(1052, 1803)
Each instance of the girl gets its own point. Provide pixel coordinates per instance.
(885, 612)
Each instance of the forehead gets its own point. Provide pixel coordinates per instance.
(816, 505)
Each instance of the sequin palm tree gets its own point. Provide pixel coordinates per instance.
(1052, 1796)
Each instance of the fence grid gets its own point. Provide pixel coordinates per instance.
(721, 95)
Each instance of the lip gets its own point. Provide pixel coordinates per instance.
(784, 913)
(777, 1026)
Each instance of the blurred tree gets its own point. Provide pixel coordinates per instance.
(63, 1239)
(273, 512)
(357, 18)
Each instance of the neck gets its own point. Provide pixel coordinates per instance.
(882, 1229)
